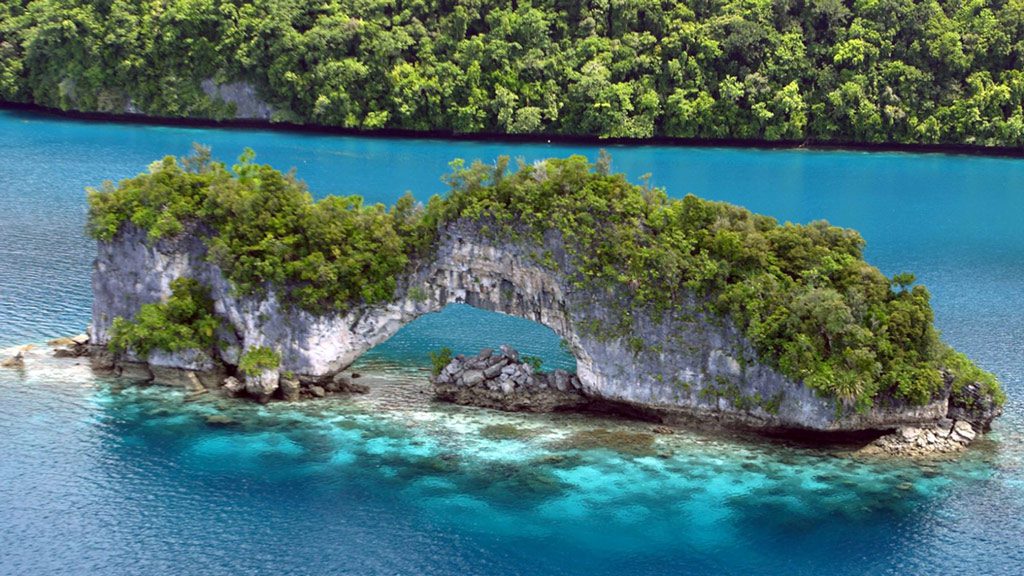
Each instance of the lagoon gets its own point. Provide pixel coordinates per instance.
(101, 478)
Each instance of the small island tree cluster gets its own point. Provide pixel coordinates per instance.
(801, 294)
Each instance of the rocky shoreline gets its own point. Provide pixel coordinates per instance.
(946, 437)
(504, 381)
(501, 380)
(206, 377)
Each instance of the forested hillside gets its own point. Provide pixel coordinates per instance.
(908, 71)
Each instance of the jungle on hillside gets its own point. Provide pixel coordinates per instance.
(841, 71)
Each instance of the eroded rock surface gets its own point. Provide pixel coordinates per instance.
(16, 361)
(685, 365)
(71, 346)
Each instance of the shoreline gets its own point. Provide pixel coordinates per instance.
(413, 391)
(491, 137)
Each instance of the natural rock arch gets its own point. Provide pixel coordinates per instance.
(467, 268)
(683, 364)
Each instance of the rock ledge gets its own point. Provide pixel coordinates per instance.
(945, 437)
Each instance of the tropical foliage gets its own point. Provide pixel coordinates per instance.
(258, 359)
(439, 359)
(184, 321)
(909, 71)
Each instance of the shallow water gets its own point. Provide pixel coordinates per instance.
(101, 477)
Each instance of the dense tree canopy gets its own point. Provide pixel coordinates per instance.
(802, 294)
(910, 71)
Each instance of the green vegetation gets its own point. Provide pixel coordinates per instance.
(534, 362)
(440, 359)
(801, 294)
(320, 255)
(258, 359)
(925, 71)
(417, 294)
(966, 372)
(185, 321)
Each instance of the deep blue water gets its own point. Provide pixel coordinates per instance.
(101, 478)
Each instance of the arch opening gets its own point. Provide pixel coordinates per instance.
(465, 329)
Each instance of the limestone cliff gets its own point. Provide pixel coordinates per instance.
(675, 366)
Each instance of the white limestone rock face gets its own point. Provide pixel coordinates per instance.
(248, 104)
(263, 384)
(233, 386)
(685, 365)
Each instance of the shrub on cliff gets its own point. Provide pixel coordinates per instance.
(184, 321)
(258, 359)
(439, 359)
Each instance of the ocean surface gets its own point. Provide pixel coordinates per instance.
(99, 476)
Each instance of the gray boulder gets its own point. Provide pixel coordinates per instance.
(963, 431)
(290, 389)
(509, 352)
(233, 386)
(473, 377)
(495, 369)
(262, 386)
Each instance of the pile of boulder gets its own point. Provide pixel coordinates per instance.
(504, 381)
(945, 437)
(271, 384)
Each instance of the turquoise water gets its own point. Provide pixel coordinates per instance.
(97, 477)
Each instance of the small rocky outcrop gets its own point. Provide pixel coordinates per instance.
(344, 383)
(945, 437)
(262, 385)
(233, 387)
(290, 389)
(505, 382)
(70, 347)
(971, 404)
(16, 361)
